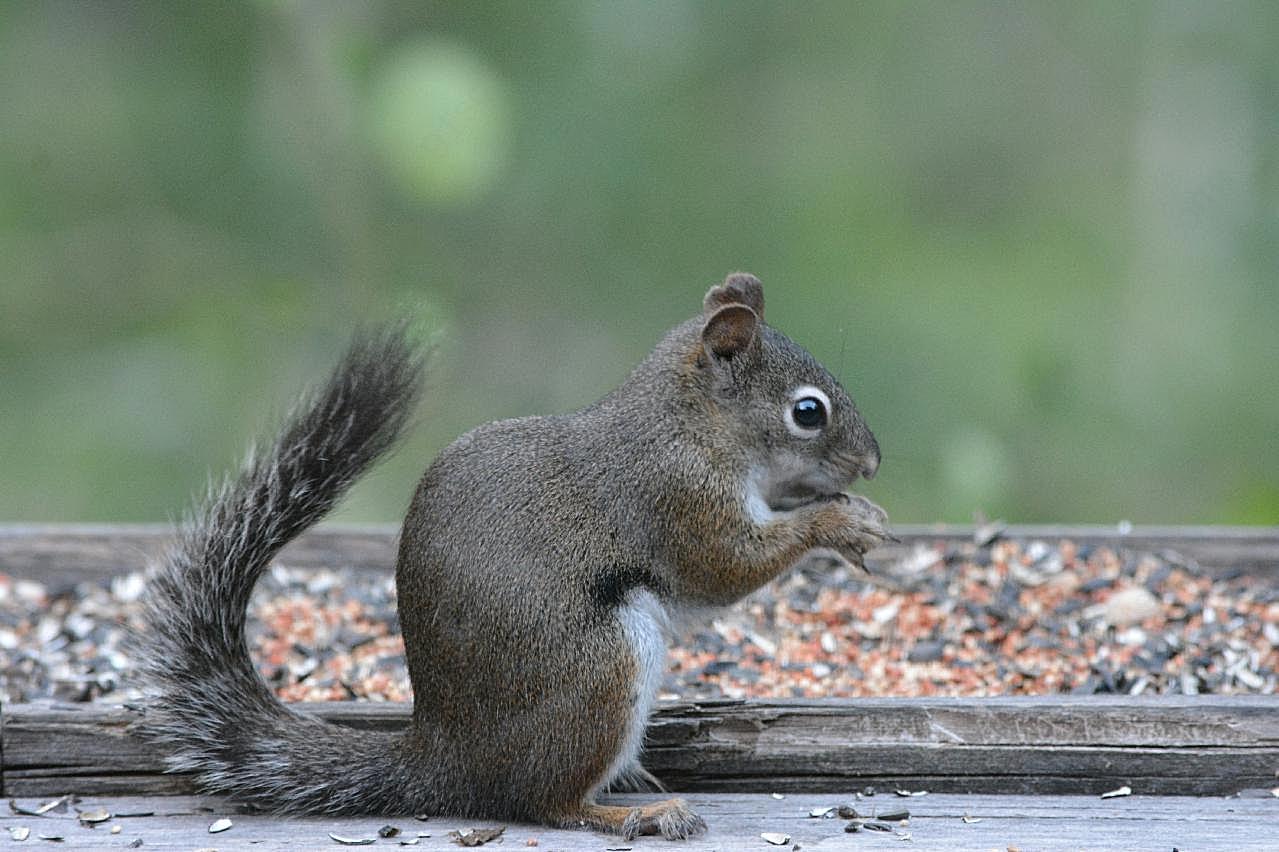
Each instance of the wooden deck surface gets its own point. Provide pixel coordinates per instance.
(735, 822)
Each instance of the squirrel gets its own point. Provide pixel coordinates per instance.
(540, 565)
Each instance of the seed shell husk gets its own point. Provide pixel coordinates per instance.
(59, 804)
(352, 841)
(476, 836)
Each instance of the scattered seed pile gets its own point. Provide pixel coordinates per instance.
(999, 618)
(990, 617)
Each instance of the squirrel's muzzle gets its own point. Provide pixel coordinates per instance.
(870, 463)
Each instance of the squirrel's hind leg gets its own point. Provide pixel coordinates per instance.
(641, 655)
(671, 818)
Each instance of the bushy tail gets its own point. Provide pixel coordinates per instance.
(212, 712)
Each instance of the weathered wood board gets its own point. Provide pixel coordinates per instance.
(60, 554)
(1158, 745)
(735, 822)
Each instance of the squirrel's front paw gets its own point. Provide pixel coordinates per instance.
(851, 527)
(868, 513)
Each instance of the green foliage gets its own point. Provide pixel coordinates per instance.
(1038, 241)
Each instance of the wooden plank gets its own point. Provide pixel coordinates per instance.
(1164, 745)
(735, 821)
(1048, 744)
(65, 554)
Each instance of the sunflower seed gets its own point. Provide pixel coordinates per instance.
(352, 841)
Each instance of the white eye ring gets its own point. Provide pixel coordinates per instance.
(788, 412)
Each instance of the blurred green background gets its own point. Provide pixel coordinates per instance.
(1038, 242)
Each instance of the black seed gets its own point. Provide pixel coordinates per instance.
(928, 651)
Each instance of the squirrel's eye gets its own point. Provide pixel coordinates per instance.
(809, 413)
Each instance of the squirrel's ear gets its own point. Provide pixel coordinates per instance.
(730, 331)
(740, 288)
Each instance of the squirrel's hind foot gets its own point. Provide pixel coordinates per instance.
(671, 818)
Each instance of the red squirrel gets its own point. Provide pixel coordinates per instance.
(539, 564)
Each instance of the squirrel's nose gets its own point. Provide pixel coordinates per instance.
(870, 462)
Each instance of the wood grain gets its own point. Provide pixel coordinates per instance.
(735, 822)
(1162, 745)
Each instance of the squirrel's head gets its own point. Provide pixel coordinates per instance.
(805, 439)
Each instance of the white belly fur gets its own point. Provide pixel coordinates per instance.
(646, 626)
